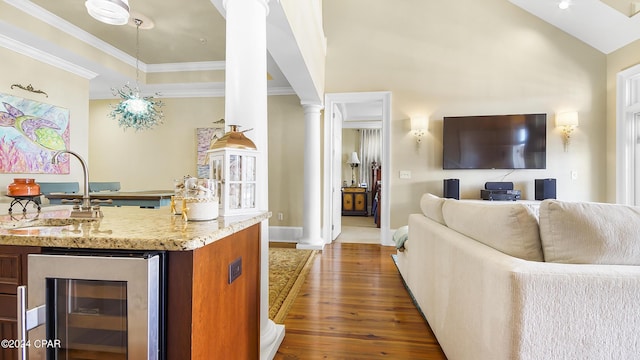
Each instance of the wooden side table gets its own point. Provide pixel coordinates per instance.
(355, 201)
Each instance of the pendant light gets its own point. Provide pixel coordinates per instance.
(135, 111)
(112, 12)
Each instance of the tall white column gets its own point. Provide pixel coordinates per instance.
(246, 105)
(311, 226)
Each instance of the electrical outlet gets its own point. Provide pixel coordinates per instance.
(235, 269)
(574, 175)
(405, 174)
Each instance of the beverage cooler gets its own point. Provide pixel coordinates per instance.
(87, 304)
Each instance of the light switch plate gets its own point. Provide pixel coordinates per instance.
(405, 174)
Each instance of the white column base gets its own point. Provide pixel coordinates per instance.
(311, 246)
(270, 342)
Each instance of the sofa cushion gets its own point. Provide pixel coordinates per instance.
(431, 206)
(511, 228)
(590, 233)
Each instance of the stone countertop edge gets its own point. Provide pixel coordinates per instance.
(123, 228)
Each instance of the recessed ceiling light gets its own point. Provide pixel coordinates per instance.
(564, 4)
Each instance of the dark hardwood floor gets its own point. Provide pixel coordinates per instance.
(353, 306)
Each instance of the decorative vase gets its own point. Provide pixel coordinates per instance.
(23, 187)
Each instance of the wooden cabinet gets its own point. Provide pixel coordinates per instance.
(13, 272)
(355, 201)
(211, 315)
(212, 299)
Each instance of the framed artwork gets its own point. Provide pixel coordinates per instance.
(30, 133)
(205, 137)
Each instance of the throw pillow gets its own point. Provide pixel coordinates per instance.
(509, 227)
(590, 233)
(431, 206)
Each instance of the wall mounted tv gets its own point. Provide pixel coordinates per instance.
(495, 142)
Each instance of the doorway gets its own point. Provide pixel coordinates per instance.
(368, 110)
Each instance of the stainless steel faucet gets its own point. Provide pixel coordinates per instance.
(85, 210)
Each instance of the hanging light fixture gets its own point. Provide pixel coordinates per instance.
(112, 12)
(135, 111)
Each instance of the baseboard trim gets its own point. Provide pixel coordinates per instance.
(285, 234)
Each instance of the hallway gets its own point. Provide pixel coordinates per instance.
(359, 229)
(354, 306)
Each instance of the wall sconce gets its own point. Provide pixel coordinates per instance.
(353, 162)
(567, 122)
(419, 125)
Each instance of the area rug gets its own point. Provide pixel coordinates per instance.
(288, 268)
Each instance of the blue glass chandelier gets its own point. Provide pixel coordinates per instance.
(135, 111)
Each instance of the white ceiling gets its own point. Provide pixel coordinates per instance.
(187, 35)
(597, 23)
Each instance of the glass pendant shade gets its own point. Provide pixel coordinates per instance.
(135, 111)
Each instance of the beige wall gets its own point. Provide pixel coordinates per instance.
(437, 58)
(617, 61)
(286, 160)
(447, 58)
(63, 89)
(147, 160)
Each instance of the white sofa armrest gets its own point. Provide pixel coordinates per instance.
(570, 311)
(483, 304)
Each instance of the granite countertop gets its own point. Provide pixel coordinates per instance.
(126, 228)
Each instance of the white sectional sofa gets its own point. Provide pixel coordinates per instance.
(496, 281)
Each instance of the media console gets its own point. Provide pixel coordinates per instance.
(500, 195)
(499, 191)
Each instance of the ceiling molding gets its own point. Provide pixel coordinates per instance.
(362, 124)
(191, 66)
(592, 21)
(45, 57)
(57, 22)
(186, 90)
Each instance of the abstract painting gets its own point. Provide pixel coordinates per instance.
(206, 137)
(30, 133)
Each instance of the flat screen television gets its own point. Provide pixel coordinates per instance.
(495, 142)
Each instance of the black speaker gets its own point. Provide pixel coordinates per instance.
(545, 189)
(498, 185)
(452, 188)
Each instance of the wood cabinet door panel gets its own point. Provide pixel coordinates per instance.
(8, 330)
(347, 202)
(13, 266)
(8, 307)
(360, 202)
(10, 272)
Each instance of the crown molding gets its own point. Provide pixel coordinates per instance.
(57, 22)
(45, 57)
(169, 91)
(189, 66)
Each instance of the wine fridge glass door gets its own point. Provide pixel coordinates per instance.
(89, 319)
(97, 306)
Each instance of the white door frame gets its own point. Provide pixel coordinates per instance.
(329, 206)
(628, 105)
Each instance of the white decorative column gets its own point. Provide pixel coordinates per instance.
(246, 105)
(312, 215)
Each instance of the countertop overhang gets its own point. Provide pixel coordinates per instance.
(122, 228)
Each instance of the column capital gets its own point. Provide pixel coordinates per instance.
(264, 3)
(311, 107)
